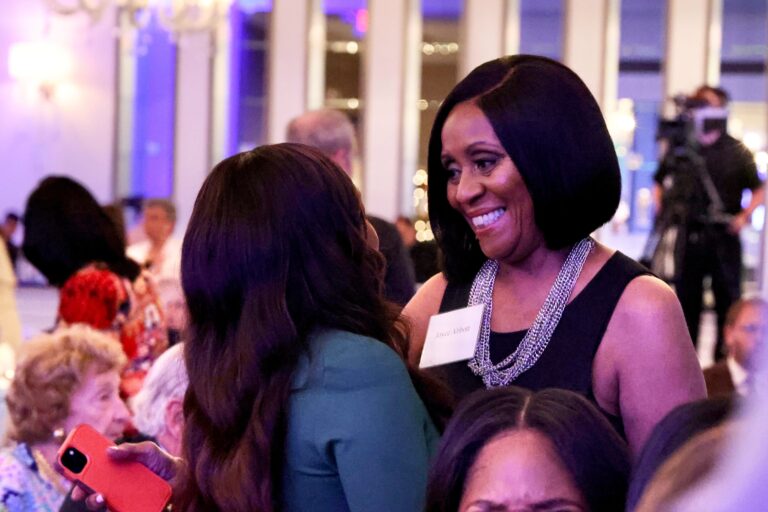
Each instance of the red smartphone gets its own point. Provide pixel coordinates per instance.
(126, 486)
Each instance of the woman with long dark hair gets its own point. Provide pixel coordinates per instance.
(299, 397)
(299, 394)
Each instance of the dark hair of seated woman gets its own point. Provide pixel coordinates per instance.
(578, 437)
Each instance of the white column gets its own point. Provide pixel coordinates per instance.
(290, 84)
(511, 27)
(591, 46)
(221, 90)
(391, 91)
(316, 39)
(192, 145)
(411, 114)
(126, 94)
(489, 29)
(694, 29)
(715, 41)
(482, 33)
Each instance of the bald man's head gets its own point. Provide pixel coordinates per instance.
(328, 130)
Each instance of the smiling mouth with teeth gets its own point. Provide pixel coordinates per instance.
(487, 219)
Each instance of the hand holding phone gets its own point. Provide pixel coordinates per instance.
(125, 485)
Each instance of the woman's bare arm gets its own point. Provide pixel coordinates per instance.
(646, 364)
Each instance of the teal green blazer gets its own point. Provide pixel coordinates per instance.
(359, 438)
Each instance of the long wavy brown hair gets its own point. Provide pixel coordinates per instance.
(275, 249)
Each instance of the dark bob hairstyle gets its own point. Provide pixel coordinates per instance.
(66, 229)
(552, 128)
(590, 449)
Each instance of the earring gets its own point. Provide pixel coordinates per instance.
(58, 434)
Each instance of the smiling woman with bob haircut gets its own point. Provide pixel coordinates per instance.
(521, 170)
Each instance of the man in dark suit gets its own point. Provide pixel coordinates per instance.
(746, 327)
(332, 132)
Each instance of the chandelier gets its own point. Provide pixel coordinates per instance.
(175, 16)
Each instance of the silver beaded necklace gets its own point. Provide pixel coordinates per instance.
(537, 338)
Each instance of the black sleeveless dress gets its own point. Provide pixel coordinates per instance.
(567, 361)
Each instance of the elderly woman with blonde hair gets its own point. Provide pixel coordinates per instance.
(63, 379)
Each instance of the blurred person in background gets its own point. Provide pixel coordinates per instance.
(158, 409)
(688, 466)
(72, 241)
(99, 298)
(511, 449)
(699, 186)
(62, 379)
(174, 306)
(332, 132)
(424, 255)
(738, 480)
(160, 253)
(745, 331)
(10, 324)
(116, 213)
(677, 428)
(66, 229)
(7, 230)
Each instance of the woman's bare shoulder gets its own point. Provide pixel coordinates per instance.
(648, 320)
(420, 308)
(649, 291)
(646, 364)
(428, 297)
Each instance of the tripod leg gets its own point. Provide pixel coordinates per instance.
(689, 285)
(726, 281)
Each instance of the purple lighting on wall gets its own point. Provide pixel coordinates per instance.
(254, 6)
(361, 21)
(153, 115)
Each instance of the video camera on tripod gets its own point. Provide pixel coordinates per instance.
(689, 198)
(693, 118)
(689, 195)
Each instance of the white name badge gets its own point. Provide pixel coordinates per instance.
(452, 336)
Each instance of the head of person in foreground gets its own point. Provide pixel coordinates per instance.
(511, 449)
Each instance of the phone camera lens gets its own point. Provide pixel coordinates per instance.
(73, 460)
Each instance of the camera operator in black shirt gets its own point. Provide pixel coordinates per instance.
(699, 186)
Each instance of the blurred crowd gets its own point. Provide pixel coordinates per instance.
(292, 352)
